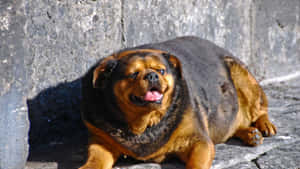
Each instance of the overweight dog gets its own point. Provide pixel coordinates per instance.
(179, 97)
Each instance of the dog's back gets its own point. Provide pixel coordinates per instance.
(208, 78)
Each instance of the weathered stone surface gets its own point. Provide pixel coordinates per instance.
(282, 157)
(224, 22)
(13, 110)
(275, 37)
(45, 47)
(64, 38)
(244, 165)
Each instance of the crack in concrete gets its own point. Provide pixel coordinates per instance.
(123, 38)
(252, 157)
(255, 161)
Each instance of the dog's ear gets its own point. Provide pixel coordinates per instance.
(103, 71)
(174, 62)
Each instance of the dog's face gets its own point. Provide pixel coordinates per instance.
(147, 85)
(144, 87)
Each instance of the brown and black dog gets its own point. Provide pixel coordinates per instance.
(178, 97)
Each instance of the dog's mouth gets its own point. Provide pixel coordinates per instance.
(154, 95)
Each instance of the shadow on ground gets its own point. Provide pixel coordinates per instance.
(57, 133)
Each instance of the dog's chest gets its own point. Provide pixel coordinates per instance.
(152, 139)
(146, 143)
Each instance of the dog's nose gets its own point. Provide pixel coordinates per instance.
(152, 77)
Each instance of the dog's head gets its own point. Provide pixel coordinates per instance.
(142, 82)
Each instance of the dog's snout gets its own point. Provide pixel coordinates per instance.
(151, 77)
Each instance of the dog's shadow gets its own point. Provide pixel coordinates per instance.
(57, 133)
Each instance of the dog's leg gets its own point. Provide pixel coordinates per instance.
(263, 123)
(99, 157)
(200, 156)
(257, 116)
(252, 120)
(253, 136)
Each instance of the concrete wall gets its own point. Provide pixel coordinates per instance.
(47, 45)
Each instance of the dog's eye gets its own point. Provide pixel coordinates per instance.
(161, 71)
(134, 75)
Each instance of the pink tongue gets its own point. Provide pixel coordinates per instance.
(153, 96)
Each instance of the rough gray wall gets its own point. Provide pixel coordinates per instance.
(275, 42)
(47, 45)
(224, 22)
(14, 123)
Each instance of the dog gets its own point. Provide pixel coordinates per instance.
(179, 97)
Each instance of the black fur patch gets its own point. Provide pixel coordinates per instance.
(105, 76)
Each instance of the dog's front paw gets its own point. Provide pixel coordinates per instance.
(250, 136)
(265, 126)
(255, 137)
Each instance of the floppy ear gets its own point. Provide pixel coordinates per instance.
(174, 62)
(103, 71)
